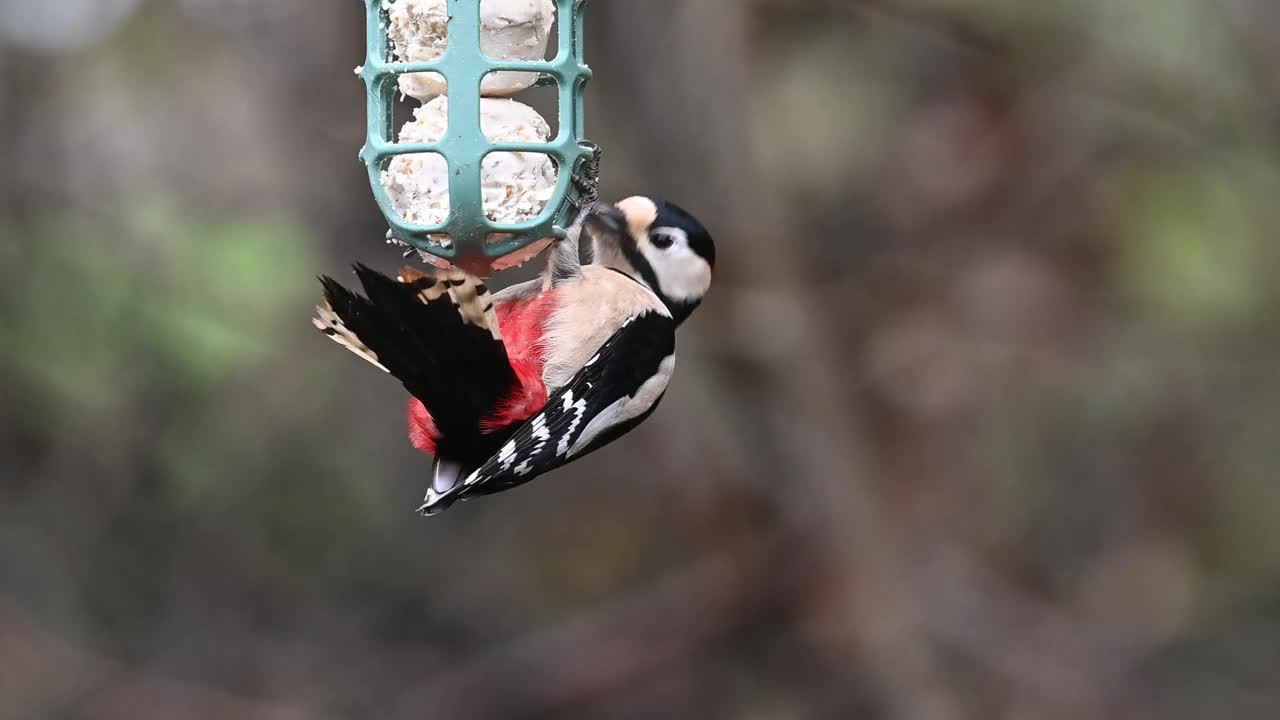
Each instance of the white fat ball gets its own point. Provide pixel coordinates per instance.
(509, 30)
(516, 186)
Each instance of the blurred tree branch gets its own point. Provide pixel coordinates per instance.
(569, 666)
(42, 671)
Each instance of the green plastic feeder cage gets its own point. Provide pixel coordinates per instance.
(464, 146)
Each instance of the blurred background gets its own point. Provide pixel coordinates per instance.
(979, 422)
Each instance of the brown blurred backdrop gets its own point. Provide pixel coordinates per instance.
(981, 420)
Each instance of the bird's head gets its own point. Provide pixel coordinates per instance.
(658, 244)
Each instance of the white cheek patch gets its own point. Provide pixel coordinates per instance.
(682, 274)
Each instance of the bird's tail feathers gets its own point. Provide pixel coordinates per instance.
(330, 322)
(438, 335)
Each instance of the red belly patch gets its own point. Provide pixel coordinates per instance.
(523, 324)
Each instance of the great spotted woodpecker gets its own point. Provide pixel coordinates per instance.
(510, 386)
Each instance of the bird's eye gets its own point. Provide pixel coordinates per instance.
(663, 238)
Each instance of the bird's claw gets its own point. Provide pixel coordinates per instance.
(586, 177)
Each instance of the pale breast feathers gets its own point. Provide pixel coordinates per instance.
(587, 314)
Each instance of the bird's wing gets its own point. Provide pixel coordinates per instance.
(617, 387)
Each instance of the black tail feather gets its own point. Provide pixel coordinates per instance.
(458, 370)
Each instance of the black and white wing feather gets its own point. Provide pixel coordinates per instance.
(612, 393)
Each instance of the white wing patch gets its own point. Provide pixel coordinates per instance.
(620, 411)
(579, 409)
(507, 455)
(628, 408)
(542, 435)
